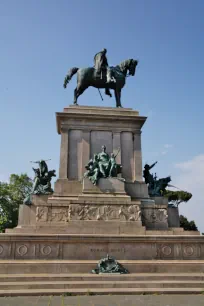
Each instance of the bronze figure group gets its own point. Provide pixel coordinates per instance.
(42, 180)
(102, 166)
(156, 187)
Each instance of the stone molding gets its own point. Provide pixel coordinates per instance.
(86, 247)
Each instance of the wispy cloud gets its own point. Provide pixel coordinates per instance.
(191, 179)
(168, 146)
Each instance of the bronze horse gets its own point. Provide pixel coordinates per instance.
(88, 77)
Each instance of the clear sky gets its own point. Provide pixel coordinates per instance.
(41, 40)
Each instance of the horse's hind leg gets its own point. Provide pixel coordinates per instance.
(77, 92)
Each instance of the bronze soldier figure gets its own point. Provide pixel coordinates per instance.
(101, 62)
(147, 175)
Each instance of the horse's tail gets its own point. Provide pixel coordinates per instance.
(69, 75)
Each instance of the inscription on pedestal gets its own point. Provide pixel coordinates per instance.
(119, 250)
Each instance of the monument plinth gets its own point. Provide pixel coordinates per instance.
(115, 205)
(70, 230)
(101, 216)
(85, 129)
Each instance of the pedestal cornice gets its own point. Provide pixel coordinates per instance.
(125, 116)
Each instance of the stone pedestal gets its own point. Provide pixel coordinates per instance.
(85, 129)
(116, 205)
(79, 224)
(84, 221)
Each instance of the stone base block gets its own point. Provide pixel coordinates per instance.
(93, 213)
(107, 199)
(95, 247)
(160, 200)
(153, 268)
(80, 218)
(26, 215)
(65, 187)
(137, 190)
(84, 228)
(107, 212)
(154, 216)
(173, 217)
(105, 185)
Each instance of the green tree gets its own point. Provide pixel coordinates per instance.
(187, 225)
(12, 195)
(177, 197)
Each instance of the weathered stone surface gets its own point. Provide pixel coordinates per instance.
(154, 218)
(138, 190)
(137, 157)
(75, 154)
(87, 247)
(63, 167)
(100, 208)
(105, 185)
(85, 129)
(105, 198)
(160, 200)
(65, 187)
(173, 217)
(127, 156)
(39, 199)
(98, 138)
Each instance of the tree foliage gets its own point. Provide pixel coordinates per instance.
(177, 197)
(187, 225)
(12, 195)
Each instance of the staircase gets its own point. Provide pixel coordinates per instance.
(35, 278)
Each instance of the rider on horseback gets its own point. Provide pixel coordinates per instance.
(100, 63)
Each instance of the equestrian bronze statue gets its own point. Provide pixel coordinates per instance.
(102, 76)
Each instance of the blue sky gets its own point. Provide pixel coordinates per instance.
(41, 40)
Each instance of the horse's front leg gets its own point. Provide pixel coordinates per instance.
(107, 92)
(117, 97)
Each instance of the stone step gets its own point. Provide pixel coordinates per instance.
(102, 277)
(86, 266)
(99, 284)
(100, 291)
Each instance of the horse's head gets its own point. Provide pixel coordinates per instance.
(132, 66)
(128, 65)
(164, 182)
(51, 173)
(168, 179)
